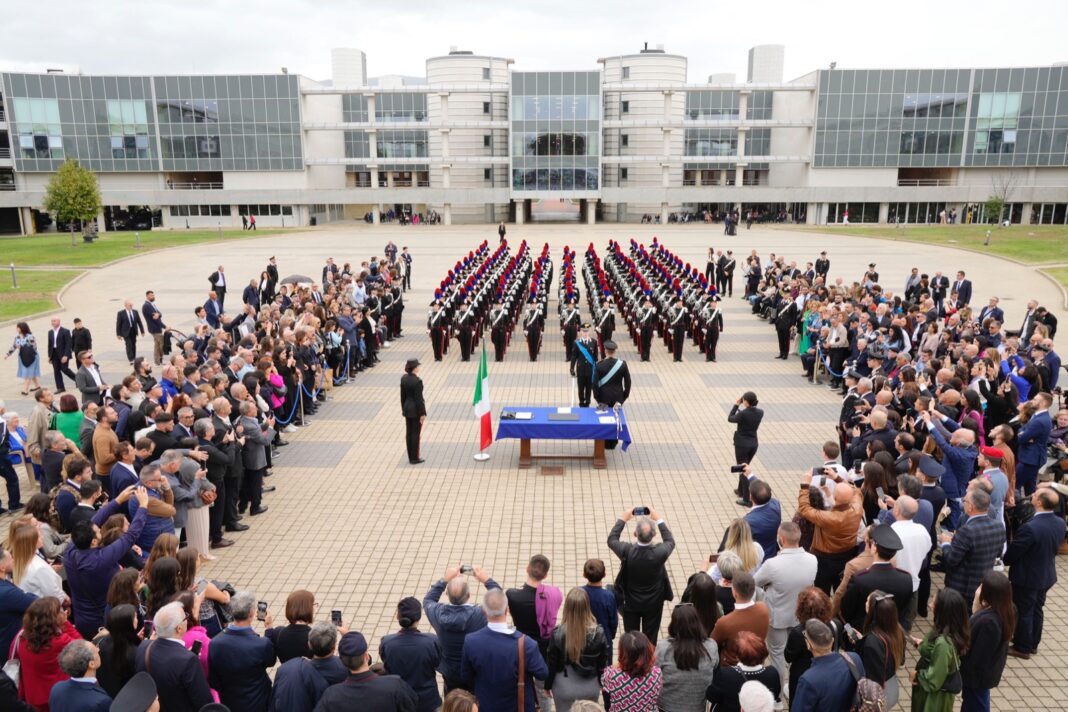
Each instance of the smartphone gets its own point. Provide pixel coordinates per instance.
(335, 617)
(147, 628)
(197, 645)
(858, 467)
(640, 511)
(713, 558)
(466, 568)
(735, 469)
(880, 493)
(261, 610)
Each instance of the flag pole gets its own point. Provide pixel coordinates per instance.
(482, 405)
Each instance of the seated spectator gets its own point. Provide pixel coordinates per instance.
(299, 683)
(413, 655)
(30, 572)
(291, 641)
(179, 679)
(13, 604)
(455, 620)
(118, 647)
(45, 632)
(687, 659)
(748, 615)
(239, 659)
(578, 652)
(80, 661)
(633, 684)
(749, 650)
(828, 684)
(602, 600)
(365, 689)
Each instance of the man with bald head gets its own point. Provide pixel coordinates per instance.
(960, 453)
(915, 544)
(128, 325)
(453, 621)
(835, 540)
(645, 583)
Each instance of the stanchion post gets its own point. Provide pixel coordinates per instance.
(14, 279)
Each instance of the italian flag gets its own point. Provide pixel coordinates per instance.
(482, 402)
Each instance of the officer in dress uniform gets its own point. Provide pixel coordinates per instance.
(569, 324)
(606, 323)
(437, 325)
(712, 325)
(646, 327)
(532, 327)
(677, 324)
(583, 362)
(465, 330)
(611, 382)
(499, 328)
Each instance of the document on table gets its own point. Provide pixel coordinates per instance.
(607, 420)
(524, 416)
(563, 410)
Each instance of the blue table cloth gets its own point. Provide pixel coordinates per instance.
(587, 427)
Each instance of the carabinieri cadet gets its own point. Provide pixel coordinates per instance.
(583, 363)
(678, 321)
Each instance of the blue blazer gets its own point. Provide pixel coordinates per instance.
(71, 696)
(1033, 437)
(179, 678)
(765, 523)
(211, 314)
(1032, 555)
(491, 665)
(238, 660)
(13, 603)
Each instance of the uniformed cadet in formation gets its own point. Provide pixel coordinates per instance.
(583, 362)
(646, 327)
(569, 325)
(533, 324)
(711, 327)
(500, 323)
(678, 322)
(437, 326)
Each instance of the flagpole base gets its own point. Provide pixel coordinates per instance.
(481, 456)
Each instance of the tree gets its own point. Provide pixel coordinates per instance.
(73, 194)
(1002, 186)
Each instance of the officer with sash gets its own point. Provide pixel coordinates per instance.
(465, 330)
(437, 325)
(611, 382)
(678, 322)
(499, 323)
(583, 362)
(532, 327)
(712, 325)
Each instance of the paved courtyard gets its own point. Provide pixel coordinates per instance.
(353, 522)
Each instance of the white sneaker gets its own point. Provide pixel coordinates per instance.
(289, 429)
(387, 344)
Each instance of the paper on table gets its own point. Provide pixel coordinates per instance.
(607, 419)
(524, 416)
(563, 410)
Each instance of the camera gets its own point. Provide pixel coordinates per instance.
(335, 617)
(466, 568)
(640, 511)
(736, 469)
(261, 610)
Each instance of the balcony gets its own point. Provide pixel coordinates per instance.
(925, 182)
(194, 185)
(5, 152)
(198, 180)
(3, 116)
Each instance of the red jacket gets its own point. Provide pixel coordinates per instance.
(40, 670)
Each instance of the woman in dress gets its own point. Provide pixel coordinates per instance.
(69, 418)
(882, 649)
(30, 373)
(45, 632)
(940, 654)
(633, 684)
(577, 655)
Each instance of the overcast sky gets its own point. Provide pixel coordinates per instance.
(229, 36)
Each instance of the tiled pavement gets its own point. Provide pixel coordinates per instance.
(355, 523)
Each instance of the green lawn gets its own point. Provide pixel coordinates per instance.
(1060, 274)
(36, 292)
(1033, 244)
(55, 249)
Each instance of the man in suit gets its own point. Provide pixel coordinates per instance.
(1027, 326)
(156, 327)
(364, 689)
(59, 353)
(413, 408)
(1044, 316)
(490, 661)
(611, 382)
(939, 288)
(217, 279)
(764, 517)
(963, 288)
(882, 576)
(80, 660)
(251, 295)
(1033, 439)
(213, 309)
(970, 552)
(992, 311)
(258, 439)
(747, 417)
(238, 659)
(89, 381)
(783, 578)
(179, 679)
(230, 442)
(643, 571)
(1031, 558)
(785, 321)
(128, 326)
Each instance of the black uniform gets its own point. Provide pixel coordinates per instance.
(647, 325)
(784, 320)
(499, 323)
(532, 327)
(606, 326)
(677, 325)
(823, 266)
(611, 385)
(413, 407)
(712, 326)
(880, 577)
(437, 325)
(582, 368)
(465, 332)
(745, 441)
(569, 324)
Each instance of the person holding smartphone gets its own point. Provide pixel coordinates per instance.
(747, 416)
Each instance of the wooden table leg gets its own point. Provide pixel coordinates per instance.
(599, 461)
(525, 460)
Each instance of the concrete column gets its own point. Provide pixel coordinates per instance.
(375, 210)
(446, 174)
(1025, 213)
(743, 104)
(663, 213)
(374, 177)
(884, 212)
(739, 174)
(520, 206)
(824, 210)
(444, 143)
(100, 225)
(372, 144)
(26, 221)
(665, 175)
(591, 212)
(371, 100)
(723, 177)
(810, 213)
(446, 214)
(444, 96)
(389, 179)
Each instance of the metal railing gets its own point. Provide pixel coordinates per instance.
(5, 153)
(7, 186)
(196, 185)
(924, 182)
(3, 115)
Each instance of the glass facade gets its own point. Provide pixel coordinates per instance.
(556, 131)
(942, 118)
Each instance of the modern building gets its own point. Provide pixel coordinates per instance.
(478, 141)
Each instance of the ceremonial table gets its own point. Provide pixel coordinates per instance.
(563, 424)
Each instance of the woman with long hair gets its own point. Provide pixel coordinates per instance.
(165, 545)
(45, 632)
(882, 650)
(750, 650)
(162, 584)
(54, 543)
(633, 684)
(111, 531)
(459, 701)
(740, 541)
(117, 644)
(195, 632)
(189, 579)
(31, 573)
(991, 627)
(688, 659)
(578, 648)
(940, 653)
(811, 603)
(124, 589)
(703, 597)
(26, 345)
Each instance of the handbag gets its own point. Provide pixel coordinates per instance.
(954, 682)
(27, 354)
(522, 683)
(13, 667)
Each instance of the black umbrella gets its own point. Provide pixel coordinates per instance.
(297, 279)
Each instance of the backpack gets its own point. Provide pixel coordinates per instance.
(53, 513)
(870, 695)
(27, 354)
